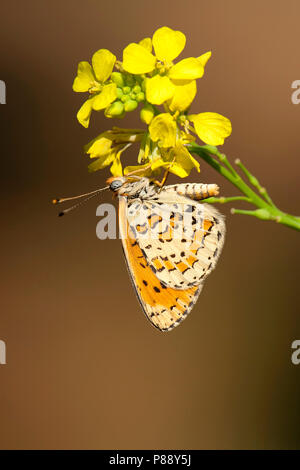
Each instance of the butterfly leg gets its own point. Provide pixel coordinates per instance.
(166, 174)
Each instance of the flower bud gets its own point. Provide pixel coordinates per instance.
(119, 93)
(147, 113)
(126, 90)
(115, 109)
(130, 105)
(137, 89)
(117, 78)
(140, 96)
(125, 98)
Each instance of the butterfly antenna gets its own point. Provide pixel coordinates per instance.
(65, 199)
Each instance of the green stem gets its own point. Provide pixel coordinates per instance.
(222, 200)
(266, 209)
(254, 181)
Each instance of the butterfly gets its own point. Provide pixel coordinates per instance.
(171, 242)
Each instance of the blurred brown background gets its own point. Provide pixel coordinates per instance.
(84, 367)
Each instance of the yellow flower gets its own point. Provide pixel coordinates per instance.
(104, 141)
(112, 157)
(170, 150)
(211, 128)
(107, 148)
(178, 160)
(163, 130)
(167, 80)
(93, 79)
(99, 146)
(102, 162)
(148, 75)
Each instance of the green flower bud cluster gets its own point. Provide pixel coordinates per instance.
(130, 92)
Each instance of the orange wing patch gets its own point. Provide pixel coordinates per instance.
(165, 307)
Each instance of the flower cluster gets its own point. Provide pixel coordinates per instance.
(148, 76)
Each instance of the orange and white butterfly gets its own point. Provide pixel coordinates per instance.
(171, 243)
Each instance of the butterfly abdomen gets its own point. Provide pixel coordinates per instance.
(196, 191)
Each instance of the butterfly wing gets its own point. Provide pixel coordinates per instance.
(181, 239)
(164, 306)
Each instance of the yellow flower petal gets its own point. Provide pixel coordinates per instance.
(116, 168)
(163, 130)
(186, 138)
(137, 59)
(212, 128)
(183, 164)
(143, 155)
(147, 44)
(99, 146)
(106, 97)
(204, 58)
(175, 168)
(147, 113)
(84, 112)
(103, 62)
(140, 170)
(159, 89)
(84, 77)
(183, 96)
(184, 158)
(159, 162)
(101, 162)
(187, 69)
(168, 43)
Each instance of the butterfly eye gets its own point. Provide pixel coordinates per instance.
(115, 184)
